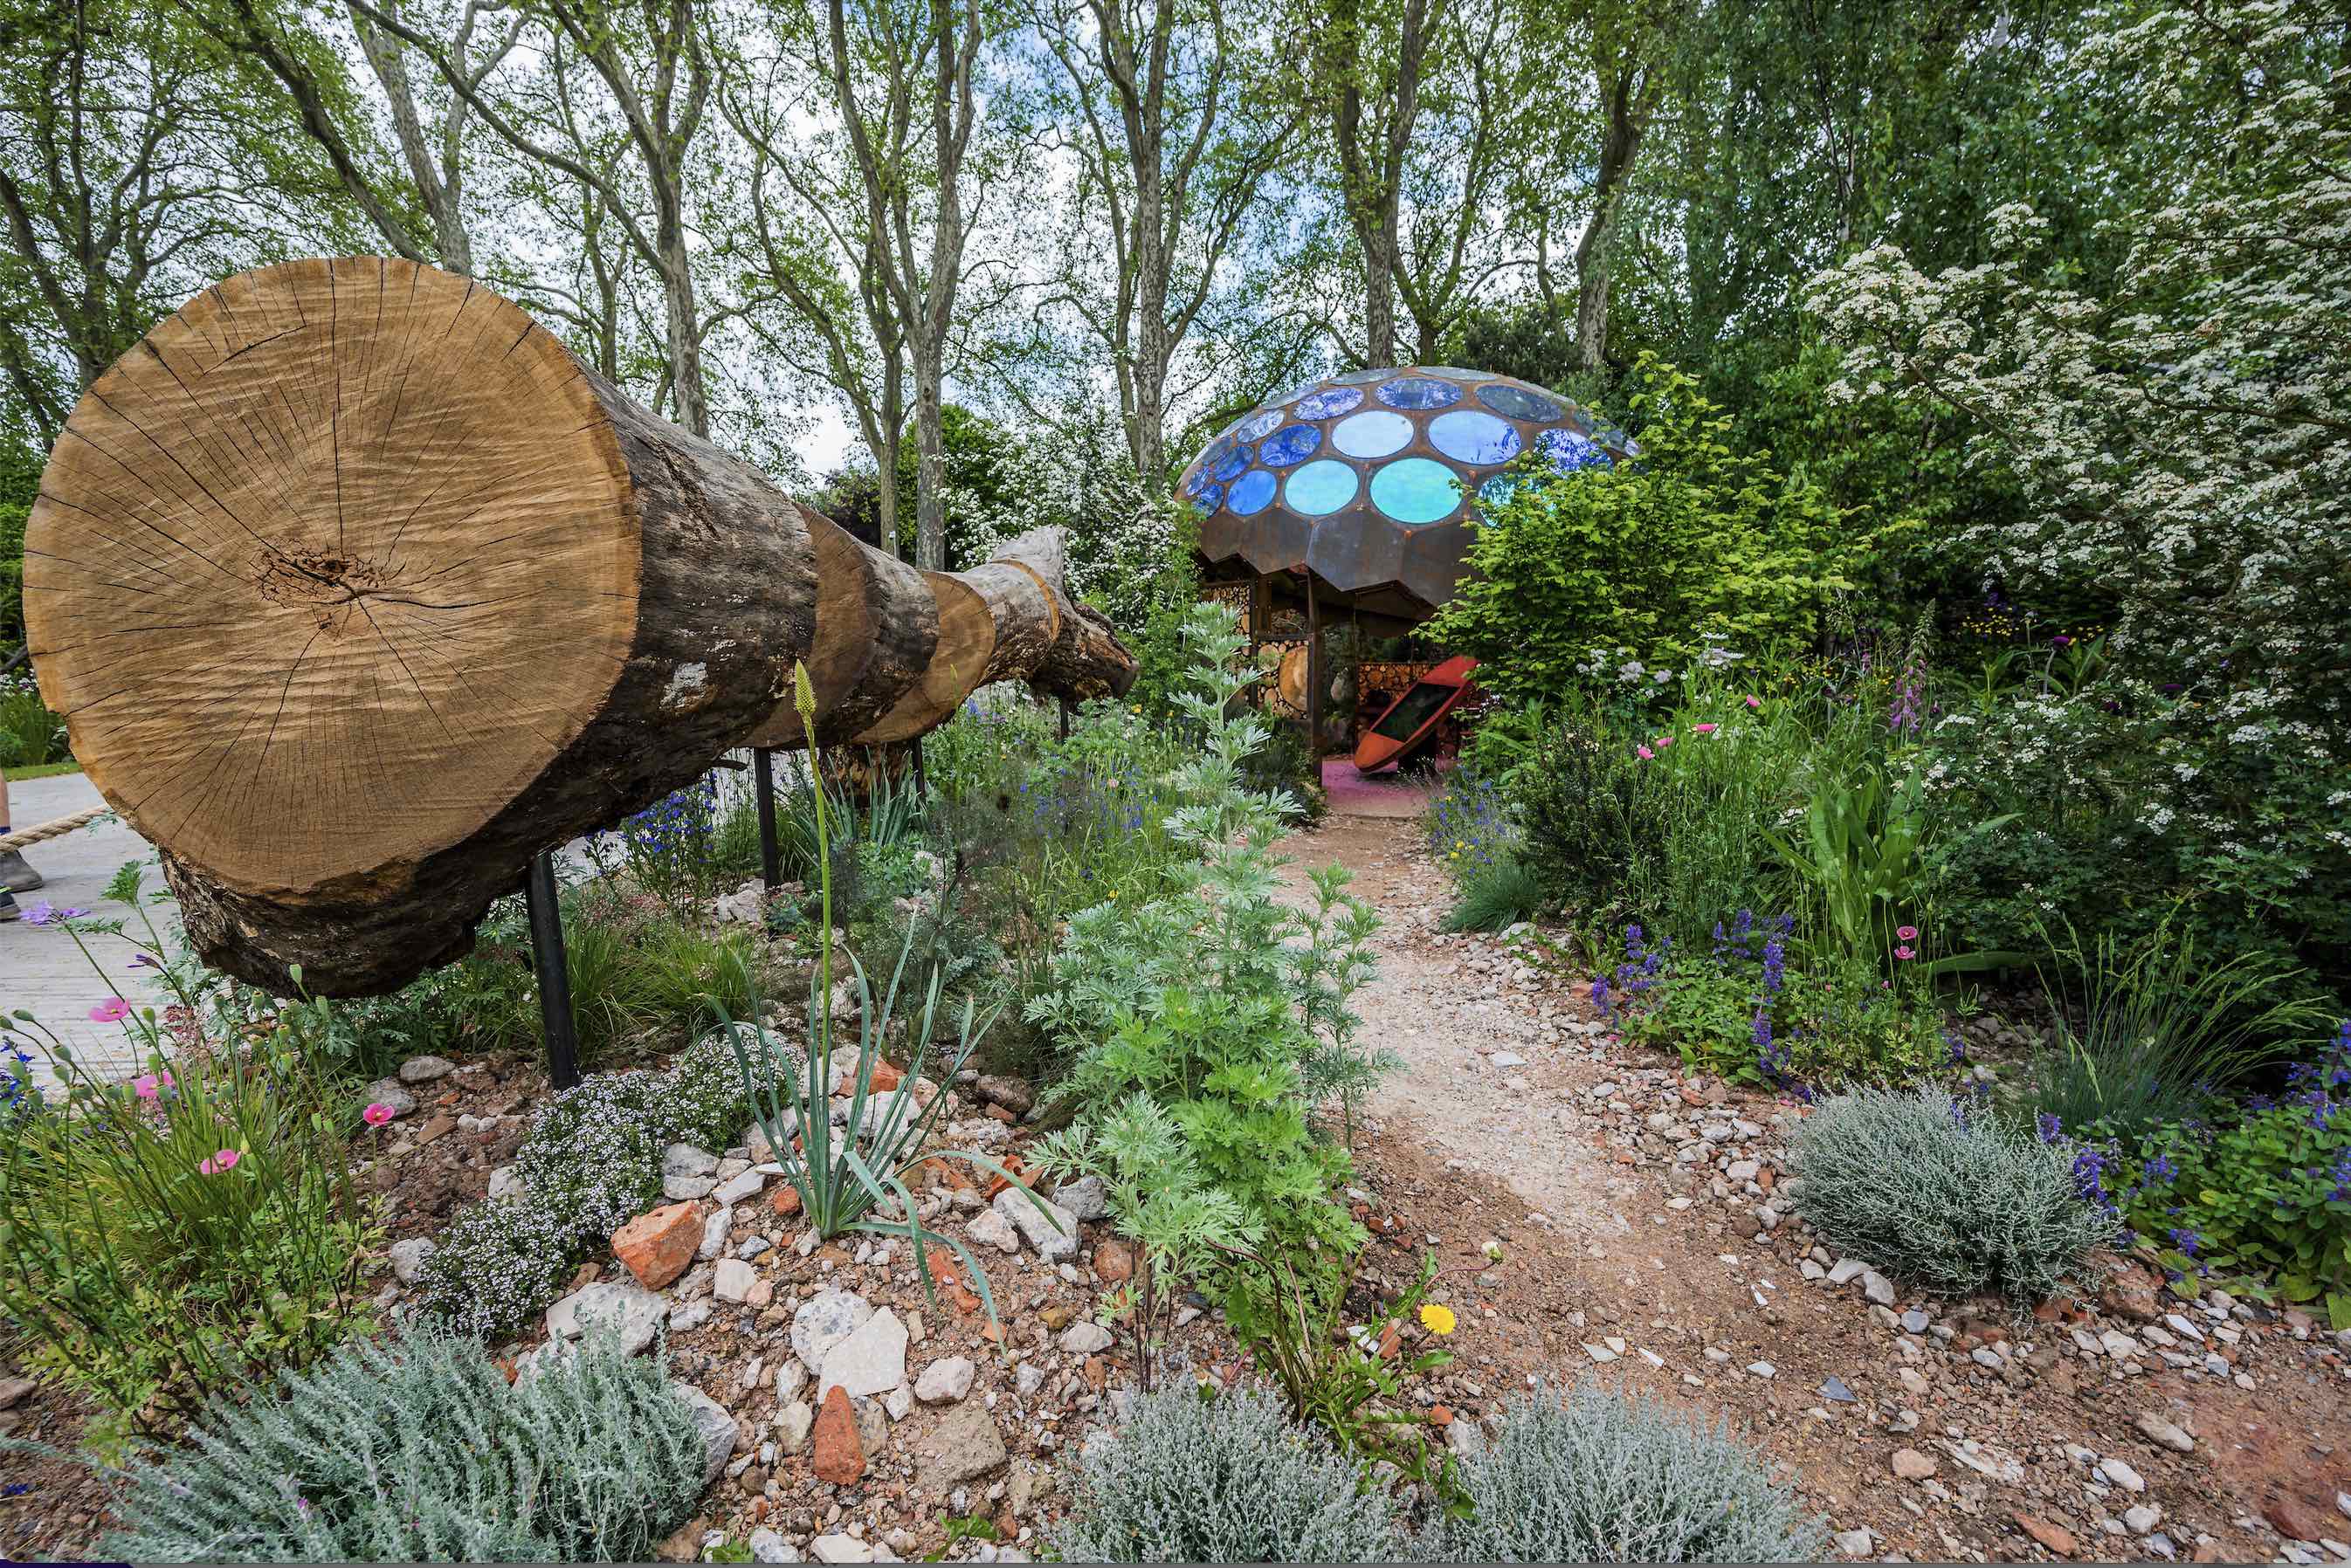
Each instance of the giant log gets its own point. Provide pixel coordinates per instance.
(357, 591)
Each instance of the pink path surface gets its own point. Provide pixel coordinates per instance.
(1394, 793)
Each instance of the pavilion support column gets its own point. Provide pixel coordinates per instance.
(1260, 608)
(1313, 671)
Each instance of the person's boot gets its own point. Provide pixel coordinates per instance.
(9, 909)
(17, 875)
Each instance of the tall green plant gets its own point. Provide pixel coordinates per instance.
(844, 1176)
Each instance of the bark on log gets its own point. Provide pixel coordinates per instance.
(357, 591)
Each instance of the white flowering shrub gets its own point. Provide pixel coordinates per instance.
(1593, 1476)
(1944, 1194)
(592, 1162)
(1227, 1479)
(417, 1449)
(2181, 437)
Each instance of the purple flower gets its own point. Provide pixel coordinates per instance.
(2049, 1127)
(48, 914)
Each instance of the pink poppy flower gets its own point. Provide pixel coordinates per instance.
(1644, 753)
(226, 1160)
(1665, 740)
(1905, 953)
(113, 1009)
(1907, 933)
(1704, 728)
(377, 1113)
(1755, 702)
(144, 1086)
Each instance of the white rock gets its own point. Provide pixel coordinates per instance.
(793, 1424)
(1087, 1197)
(620, 1304)
(840, 1549)
(946, 1380)
(899, 1403)
(869, 1359)
(1856, 1543)
(389, 1093)
(767, 1546)
(425, 1069)
(719, 1433)
(505, 1181)
(790, 1379)
(823, 1321)
(1085, 1337)
(408, 1259)
(2143, 1518)
(2119, 1472)
(749, 1184)
(1847, 1270)
(684, 1160)
(732, 1280)
(1600, 1352)
(2156, 1430)
(1048, 1227)
(990, 1228)
(1761, 1369)
(1878, 1287)
(714, 1233)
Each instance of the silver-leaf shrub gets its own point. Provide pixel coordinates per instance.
(1596, 1478)
(1949, 1196)
(416, 1449)
(1227, 1479)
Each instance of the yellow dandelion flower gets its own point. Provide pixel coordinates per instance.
(1438, 1320)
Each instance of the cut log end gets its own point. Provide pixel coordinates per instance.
(325, 569)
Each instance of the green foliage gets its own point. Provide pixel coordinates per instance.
(162, 1239)
(1192, 1479)
(29, 733)
(1160, 1200)
(1496, 897)
(591, 1160)
(1750, 1013)
(1693, 542)
(1226, 1007)
(416, 1449)
(1931, 1190)
(1292, 1313)
(1594, 1477)
(636, 973)
(13, 514)
(2124, 808)
(2161, 1026)
(2261, 1189)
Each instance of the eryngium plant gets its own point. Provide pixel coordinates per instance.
(1191, 1478)
(844, 1174)
(1952, 1199)
(1596, 1478)
(417, 1449)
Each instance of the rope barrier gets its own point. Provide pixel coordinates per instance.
(57, 829)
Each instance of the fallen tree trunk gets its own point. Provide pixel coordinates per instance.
(356, 590)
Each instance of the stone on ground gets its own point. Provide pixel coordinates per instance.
(425, 1069)
(408, 1259)
(823, 1321)
(1050, 1230)
(838, 1455)
(659, 1245)
(964, 1446)
(628, 1308)
(871, 1359)
(946, 1381)
(990, 1228)
(719, 1433)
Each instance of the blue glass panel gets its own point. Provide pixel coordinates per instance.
(1201, 479)
(1499, 489)
(1358, 378)
(1419, 392)
(1287, 444)
(1294, 393)
(1374, 432)
(1457, 372)
(1518, 402)
(1251, 492)
(1464, 435)
(1416, 490)
(1322, 405)
(1257, 426)
(1230, 468)
(1568, 451)
(1320, 488)
(1205, 499)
